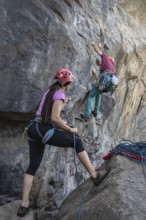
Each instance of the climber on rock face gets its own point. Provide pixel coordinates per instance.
(107, 82)
(49, 128)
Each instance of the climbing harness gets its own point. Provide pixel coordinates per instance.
(47, 135)
(79, 187)
(38, 120)
(105, 85)
(135, 151)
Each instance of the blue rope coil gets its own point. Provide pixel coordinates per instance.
(135, 151)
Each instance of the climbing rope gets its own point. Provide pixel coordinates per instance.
(79, 187)
(134, 151)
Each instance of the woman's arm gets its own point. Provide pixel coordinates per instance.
(56, 110)
(67, 100)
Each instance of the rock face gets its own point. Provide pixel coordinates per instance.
(36, 38)
(116, 198)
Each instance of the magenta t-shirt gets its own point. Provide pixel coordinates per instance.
(58, 95)
(106, 64)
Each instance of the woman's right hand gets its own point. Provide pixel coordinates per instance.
(68, 99)
(74, 130)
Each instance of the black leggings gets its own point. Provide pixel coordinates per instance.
(36, 147)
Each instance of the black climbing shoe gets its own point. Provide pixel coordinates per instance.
(94, 114)
(85, 118)
(100, 176)
(22, 211)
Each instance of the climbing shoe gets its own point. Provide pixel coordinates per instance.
(85, 118)
(100, 176)
(94, 114)
(97, 115)
(22, 211)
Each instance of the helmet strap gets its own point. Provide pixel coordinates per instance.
(57, 80)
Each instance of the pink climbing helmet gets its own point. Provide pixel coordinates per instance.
(64, 75)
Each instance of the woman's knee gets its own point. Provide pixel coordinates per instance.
(32, 170)
(79, 145)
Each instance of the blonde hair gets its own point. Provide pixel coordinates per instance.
(112, 58)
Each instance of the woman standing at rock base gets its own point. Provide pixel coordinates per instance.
(43, 130)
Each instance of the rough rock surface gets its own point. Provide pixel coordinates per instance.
(117, 198)
(36, 38)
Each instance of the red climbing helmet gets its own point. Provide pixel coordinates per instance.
(64, 75)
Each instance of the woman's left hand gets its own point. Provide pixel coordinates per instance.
(68, 99)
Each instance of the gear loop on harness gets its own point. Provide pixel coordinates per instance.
(26, 129)
(105, 85)
(48, 134)
(44, 137)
